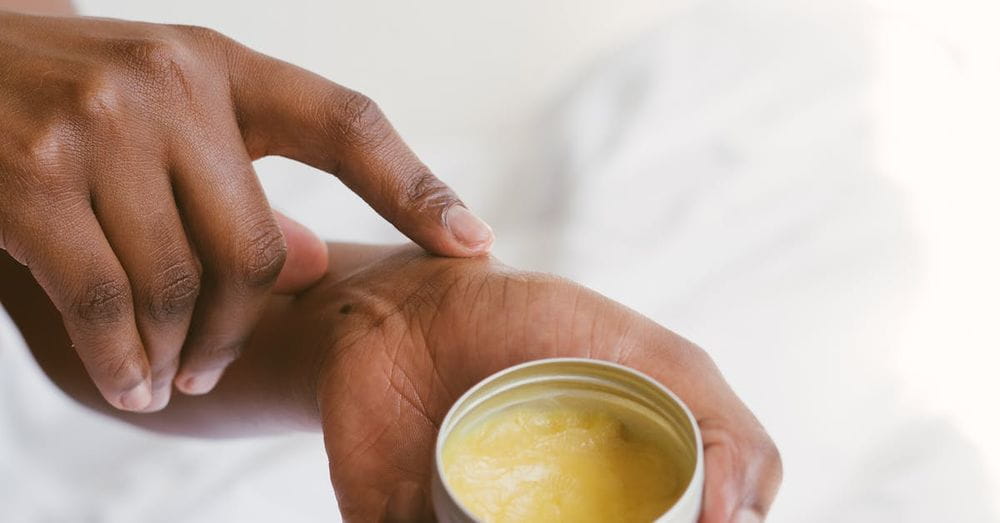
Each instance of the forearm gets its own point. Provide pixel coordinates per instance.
(271, 387)
(39, 7)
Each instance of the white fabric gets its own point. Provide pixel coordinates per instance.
(717, 176)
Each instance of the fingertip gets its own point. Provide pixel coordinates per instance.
(163, 384)
(474, 236)
(308, 257)
(160, 400)
(137, 398)
(197, 383)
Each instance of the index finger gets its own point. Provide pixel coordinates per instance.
(287, 111)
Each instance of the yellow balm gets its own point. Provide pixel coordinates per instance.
(564, 458)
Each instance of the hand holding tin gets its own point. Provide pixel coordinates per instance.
(411, 333)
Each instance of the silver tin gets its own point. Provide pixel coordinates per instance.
(564, 375)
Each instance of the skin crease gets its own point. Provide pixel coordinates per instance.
(127, 186)
(377, 351)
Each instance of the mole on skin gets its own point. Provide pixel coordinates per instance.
(563, 459)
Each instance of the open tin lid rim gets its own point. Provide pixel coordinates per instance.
(684, 503)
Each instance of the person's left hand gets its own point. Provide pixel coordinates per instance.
(405, 335)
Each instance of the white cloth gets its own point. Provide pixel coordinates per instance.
(717, 176)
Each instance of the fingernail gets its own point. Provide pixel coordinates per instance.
(161, 397)
(137, 398)
(201, 383)
(468, 228)
(747, 516)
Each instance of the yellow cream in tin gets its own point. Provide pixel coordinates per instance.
(564, 459)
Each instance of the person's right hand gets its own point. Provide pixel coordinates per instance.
(126, 186)
(405, 334)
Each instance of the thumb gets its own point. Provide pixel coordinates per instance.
(308, 257)
(288, 111)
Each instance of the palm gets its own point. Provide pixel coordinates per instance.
(412, 333)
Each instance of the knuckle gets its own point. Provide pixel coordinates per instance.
(218, 354)
(113, 366)
(149, 53)
(422, 191)
(208, 40)
(358, 121)
(769, 455)
(200, 33)
(77, 93)
(164, 65)
(176, 292)
(229, 352)
(764, 459)
(103, 302)
(98, 99)
(124, 366)
(42, 149)
(263, 256)
(116, 368)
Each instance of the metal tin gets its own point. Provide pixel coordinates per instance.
(569, 376)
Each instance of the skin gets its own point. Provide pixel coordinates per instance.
(378, 350)
(127, 188)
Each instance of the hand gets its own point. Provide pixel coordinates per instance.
(126, 186)
(376, 353)
(408, 334)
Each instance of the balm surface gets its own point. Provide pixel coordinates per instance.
(563, 459)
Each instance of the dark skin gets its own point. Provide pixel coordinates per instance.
(377, 351)
(127, 187)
